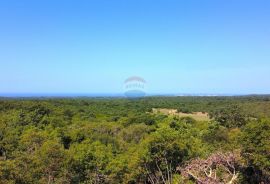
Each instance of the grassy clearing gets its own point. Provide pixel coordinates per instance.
(199, 116)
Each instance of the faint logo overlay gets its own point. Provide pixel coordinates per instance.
(134, 87)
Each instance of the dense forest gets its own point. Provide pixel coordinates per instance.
(118, 140)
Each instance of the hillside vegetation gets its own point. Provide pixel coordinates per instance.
(115, 140)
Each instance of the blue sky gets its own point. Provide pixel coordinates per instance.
(177, 46)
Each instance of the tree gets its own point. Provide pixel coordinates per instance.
(50, 158)
(256, 148)
(89, 162)
(166, 150)
(217, 168)
(230, 117)
(135, 133)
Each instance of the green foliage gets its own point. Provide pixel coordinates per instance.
(112, 141)
(89, 161)
(230, 117)
(141, 118)
(184, 110)
(256, 149)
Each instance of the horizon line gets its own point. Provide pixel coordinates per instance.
(93, 95)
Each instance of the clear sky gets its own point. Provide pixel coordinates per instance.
(177, 46)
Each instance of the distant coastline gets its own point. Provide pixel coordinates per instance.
(116, 95)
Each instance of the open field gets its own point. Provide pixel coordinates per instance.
(198, 116)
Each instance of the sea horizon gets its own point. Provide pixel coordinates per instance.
(120, 95)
